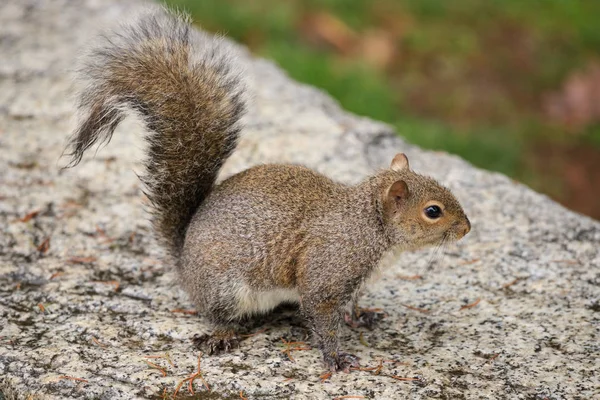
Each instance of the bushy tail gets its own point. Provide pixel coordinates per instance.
(183, 85)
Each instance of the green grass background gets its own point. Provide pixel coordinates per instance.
(469, 76)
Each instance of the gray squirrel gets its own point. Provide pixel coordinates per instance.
(270, 234)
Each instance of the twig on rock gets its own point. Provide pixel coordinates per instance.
(44, 246)
(190, 380)
(162, 371)
(409, 278)
(509, 284)
(421, 310)
(324, 376)
(56, 275)
(471, 305)
(98, 342)
(516, 280)
(81, 260)
(376, 370)
(29, 216)
(473, 261)
(288, 349)
(400, 378)
(166, 356)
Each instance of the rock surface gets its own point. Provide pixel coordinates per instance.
(511, 312)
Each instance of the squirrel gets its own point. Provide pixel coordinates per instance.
(271, 234)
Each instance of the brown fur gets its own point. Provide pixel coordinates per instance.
(182, 85)
(269, 234)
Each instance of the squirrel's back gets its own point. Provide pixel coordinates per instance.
(181, 83)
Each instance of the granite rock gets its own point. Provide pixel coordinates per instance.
(511, 312)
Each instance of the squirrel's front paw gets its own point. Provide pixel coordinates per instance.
(342, 362)
(218, 342)
(363, 317)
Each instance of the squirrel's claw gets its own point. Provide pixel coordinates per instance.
(218, 342)
(342, 362)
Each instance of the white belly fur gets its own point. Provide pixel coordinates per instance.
(256, 302)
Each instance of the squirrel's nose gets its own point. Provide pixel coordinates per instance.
(468, 226)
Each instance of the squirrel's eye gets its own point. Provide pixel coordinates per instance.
(433, 212)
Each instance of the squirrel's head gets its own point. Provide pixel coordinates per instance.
(417, 210)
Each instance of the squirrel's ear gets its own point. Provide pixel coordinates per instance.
(400, 162)
(398, 191)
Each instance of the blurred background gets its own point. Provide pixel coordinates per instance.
(511, 86)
